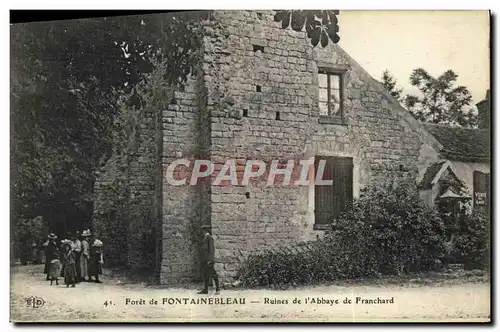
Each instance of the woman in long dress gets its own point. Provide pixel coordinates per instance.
(69, 261)
(85, 255)
(77, 250)
(51, 253)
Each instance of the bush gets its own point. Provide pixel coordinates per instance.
(297, 264)
(471, 247)
(394, 228)
(388, 230)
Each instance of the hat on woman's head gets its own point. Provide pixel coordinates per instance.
(52, 236)
(66, 242)
(97, 243)
(86, 232)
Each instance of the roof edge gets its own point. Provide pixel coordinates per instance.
(396, 106)
(446, 164)
(443, 125)
(457, 157)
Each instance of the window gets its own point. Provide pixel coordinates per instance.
(330, 94)
(257, 48)
(331, 200)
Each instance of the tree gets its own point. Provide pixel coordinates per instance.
(66, 79)
(441, 101)
(321, 25)
(389, 83)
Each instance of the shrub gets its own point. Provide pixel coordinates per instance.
(395, 229)
(297, 264)
(471, 247)
(388, 230)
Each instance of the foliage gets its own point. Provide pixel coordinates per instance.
(406, 235)
(388, 230)
(441, 101)
(121, 208)
(66, 80)
(472, 246)
(29, 230)
(24, 232)
(450, 181)
(297, 264)
(320, 25)
(450, 209)
(390, 84)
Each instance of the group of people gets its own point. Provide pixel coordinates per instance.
(80, 259)
(76, 260)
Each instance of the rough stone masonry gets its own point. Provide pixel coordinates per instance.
(255, 96)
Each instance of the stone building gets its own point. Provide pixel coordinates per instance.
(466, 155)
(263, 92)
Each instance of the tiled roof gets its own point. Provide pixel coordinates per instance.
(462, 144)
(430, 174)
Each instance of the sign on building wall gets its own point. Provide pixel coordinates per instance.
(481, 182)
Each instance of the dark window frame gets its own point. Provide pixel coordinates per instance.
(334, 119)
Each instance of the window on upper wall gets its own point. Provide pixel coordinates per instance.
(330, 94)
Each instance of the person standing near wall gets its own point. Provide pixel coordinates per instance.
(85, 255)
(208, 260)
(96, 260)
(51, 254)
(77, 250)
(69, 263)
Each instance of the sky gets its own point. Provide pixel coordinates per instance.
(401, 41)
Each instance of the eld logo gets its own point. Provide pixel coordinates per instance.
(34, 302)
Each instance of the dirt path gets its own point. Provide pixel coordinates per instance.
(87, 302)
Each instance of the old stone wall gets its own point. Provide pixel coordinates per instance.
(255, 96)
(184, 208)
(263, 80)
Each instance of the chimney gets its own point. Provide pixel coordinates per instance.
(484, 112)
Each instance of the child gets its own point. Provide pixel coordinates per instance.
(69, 263)
(95, 261)
(54, 270)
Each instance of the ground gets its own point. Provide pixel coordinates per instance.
(464, 298)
